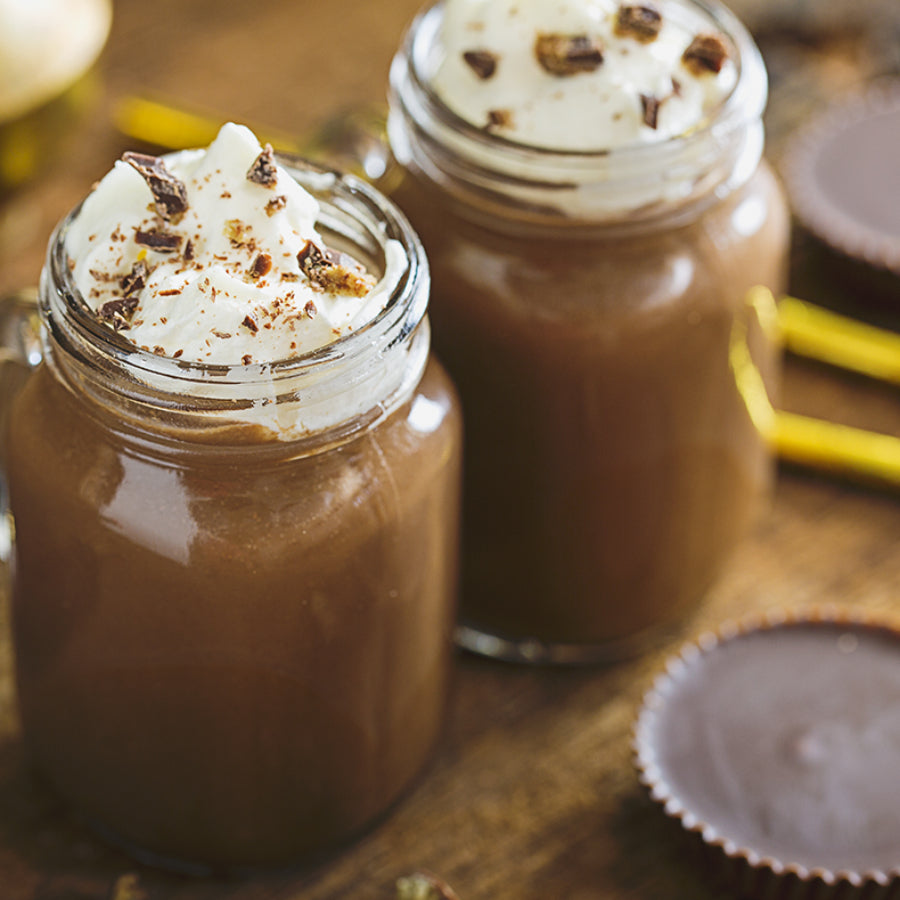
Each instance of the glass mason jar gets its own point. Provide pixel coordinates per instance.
(234, 587)
(585, 304)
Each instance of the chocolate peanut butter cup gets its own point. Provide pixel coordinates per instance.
(776, 745)
(843, 177)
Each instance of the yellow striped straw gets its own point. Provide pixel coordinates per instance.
(817, 333)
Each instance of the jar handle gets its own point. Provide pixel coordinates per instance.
(20, 353)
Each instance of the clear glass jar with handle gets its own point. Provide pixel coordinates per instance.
(585, 303)
(234, 586)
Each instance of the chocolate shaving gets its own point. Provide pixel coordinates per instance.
(706, 53)
(642, 22)
(310, 309)
(482, 62)
(136, 279)
(275, 204)
(327, 270)
(169, 194)
(261, 265)
(188, 254)
(310, 256)
(118, 311)
(264, 171)
(250, 323)
(568, 54)
(499, 118)
(650, 107)
(158, 240)
(246, 359)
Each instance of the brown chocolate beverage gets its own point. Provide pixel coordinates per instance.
(225, 656)
(592, 302)
(611, 462)
(234, 582)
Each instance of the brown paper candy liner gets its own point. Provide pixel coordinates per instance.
(842, 173)
(743, 869)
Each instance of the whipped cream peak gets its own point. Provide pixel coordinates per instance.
(582, 75)
(213, 256)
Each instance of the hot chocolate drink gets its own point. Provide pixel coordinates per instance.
(612, 463)
(234, 580)
(587, 182)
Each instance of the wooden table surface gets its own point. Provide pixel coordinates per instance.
(532, 795)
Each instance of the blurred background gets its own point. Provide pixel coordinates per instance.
(286, 67)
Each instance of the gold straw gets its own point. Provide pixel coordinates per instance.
(816, 333)
(815, 443)
(837, 448)
(175, 129)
